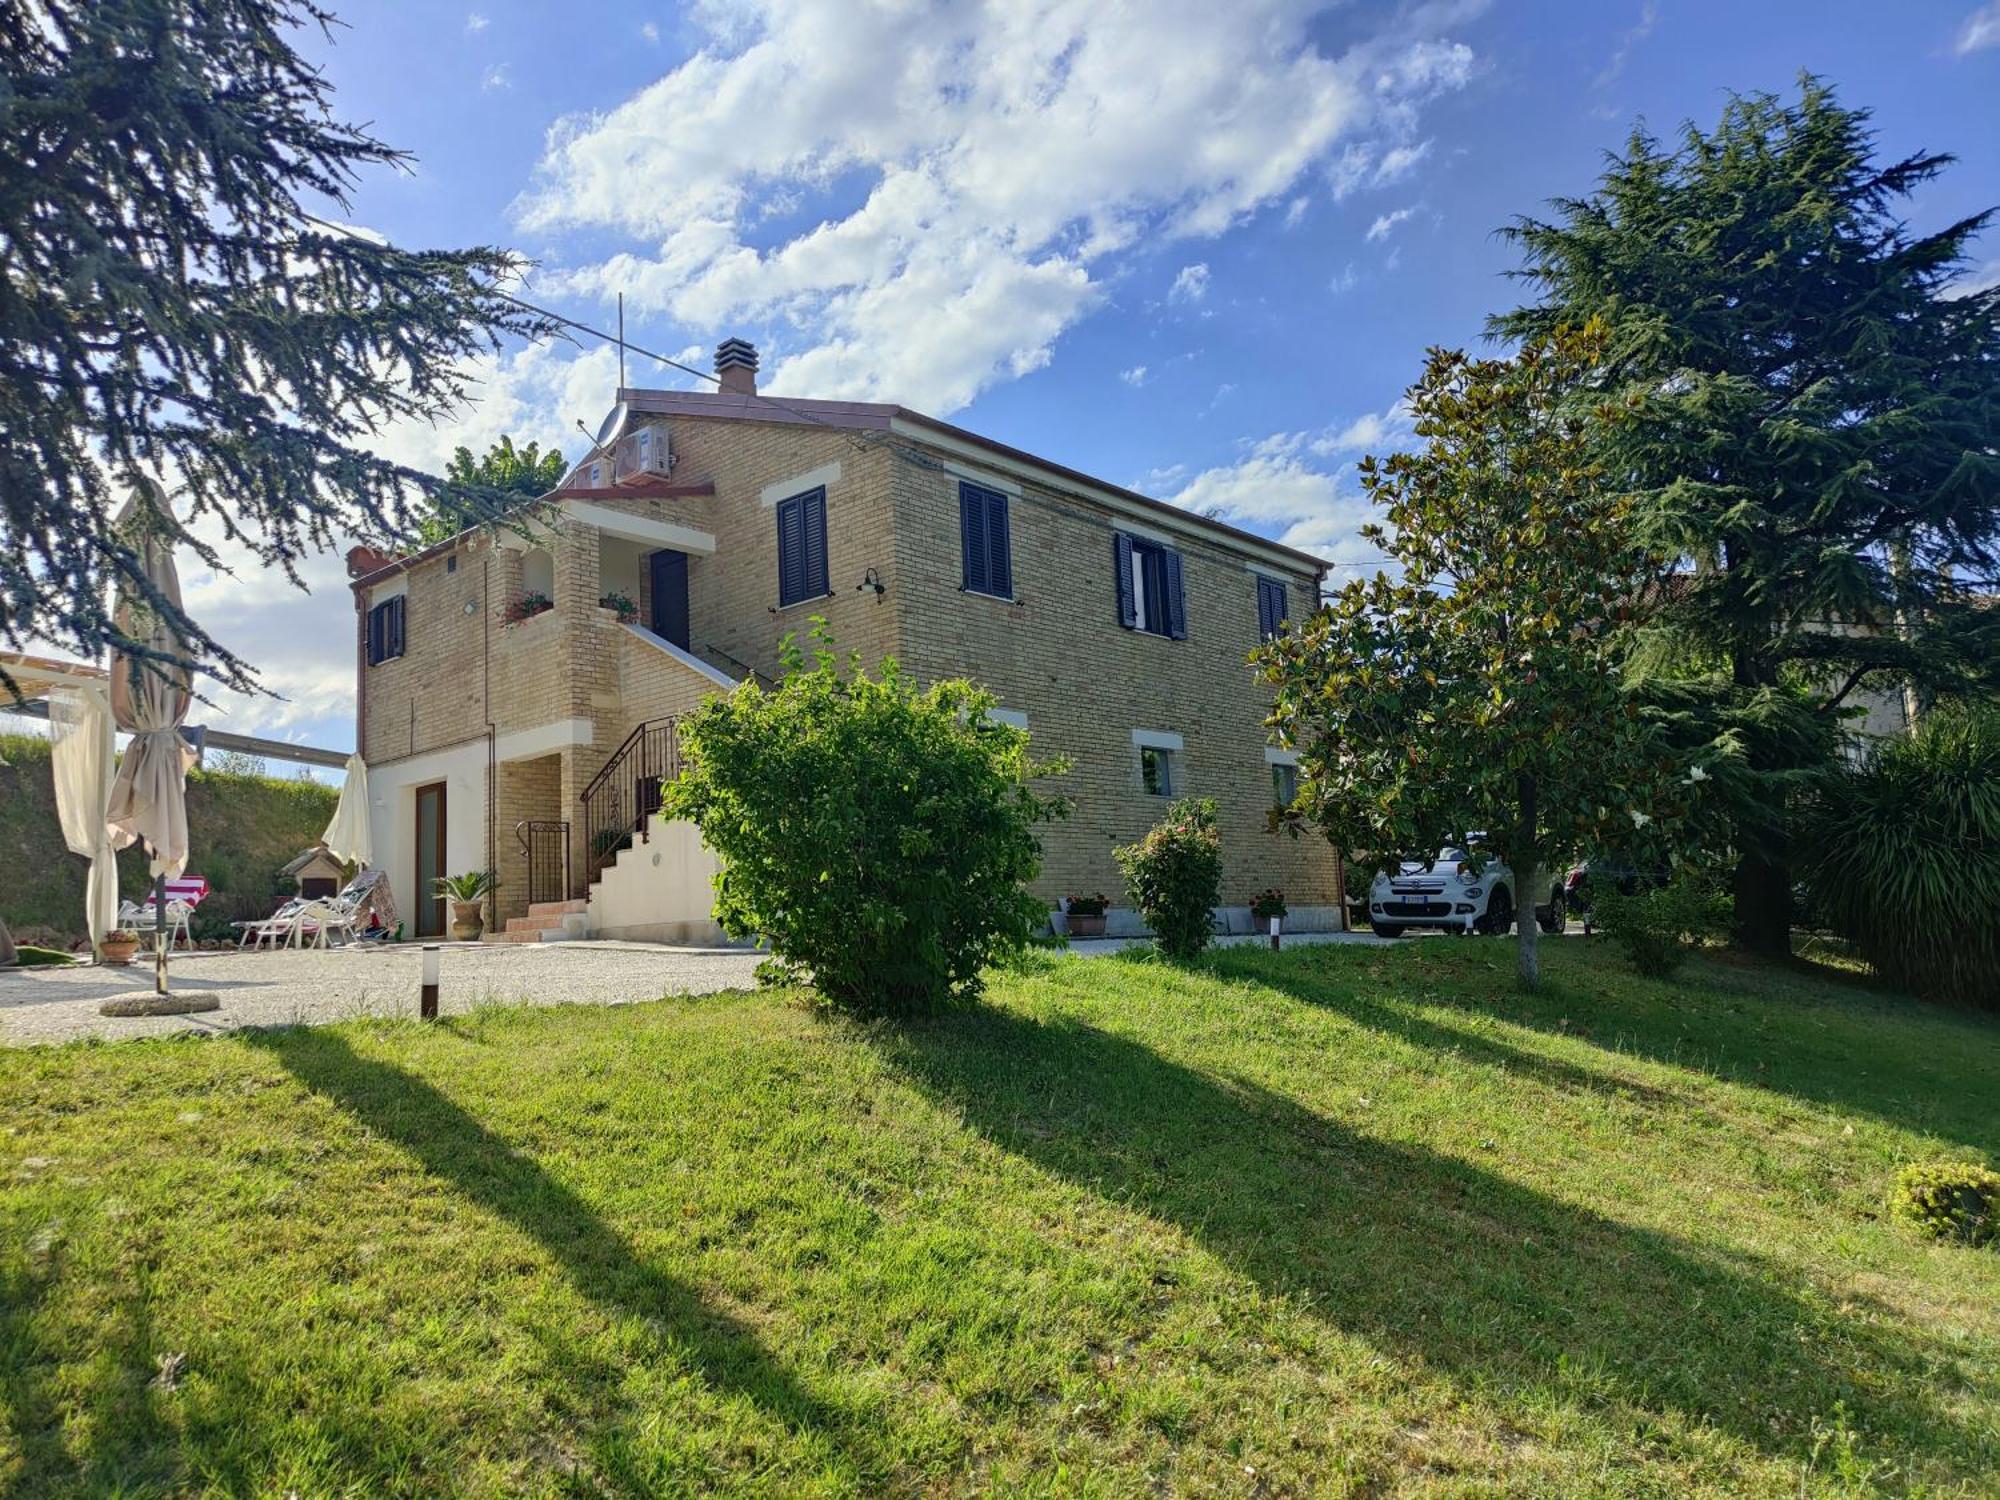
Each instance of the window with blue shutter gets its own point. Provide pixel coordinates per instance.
(802, 547)
(1151, 596)
(985, 548)
(1271, 608)
(385, 631)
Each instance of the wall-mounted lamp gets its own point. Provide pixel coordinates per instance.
(872, 580)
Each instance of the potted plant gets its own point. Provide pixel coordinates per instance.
(526, 608)
(621, 605)
(118, 946)
(1086, 914)
(466, 893)
(1268, 906)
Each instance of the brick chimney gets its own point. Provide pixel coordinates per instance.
(736, 367)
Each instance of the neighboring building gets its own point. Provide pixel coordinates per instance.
(1114, 627)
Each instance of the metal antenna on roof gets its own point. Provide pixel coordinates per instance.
(621, 343)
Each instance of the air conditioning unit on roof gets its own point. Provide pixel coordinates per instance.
(643, 454)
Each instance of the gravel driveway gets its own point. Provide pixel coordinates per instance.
(310, 985)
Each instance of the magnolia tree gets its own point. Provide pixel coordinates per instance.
(1476, 692)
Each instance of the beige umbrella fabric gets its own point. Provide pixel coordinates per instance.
(150, 698)
(347, 835)
(82, 753)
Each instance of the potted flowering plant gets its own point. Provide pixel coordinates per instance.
(1086, 914)
(620, 605)
(118, 946)
(527, 607)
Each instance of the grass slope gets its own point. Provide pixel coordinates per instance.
(1343, 1220)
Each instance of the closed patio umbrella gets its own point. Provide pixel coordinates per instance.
(149, 700)
(346, 837)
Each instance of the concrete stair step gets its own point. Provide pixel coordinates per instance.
(556, 908)
(536, 922)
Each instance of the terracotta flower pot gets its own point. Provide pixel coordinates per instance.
(118, 950)
(1086, 927)
(466, 922)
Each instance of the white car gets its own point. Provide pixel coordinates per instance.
(1447, 893)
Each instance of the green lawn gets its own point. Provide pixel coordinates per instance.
(1345, 1220)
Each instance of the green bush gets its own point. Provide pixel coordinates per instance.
(879, 836)
(1949, 1201)
(1902, 856)
(1174, 875)
(1655, 927)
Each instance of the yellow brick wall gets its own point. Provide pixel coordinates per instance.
(1086, 682)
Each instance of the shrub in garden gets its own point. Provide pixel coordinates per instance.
(1656, 926)
(1174, 875)
(879, 836)
(1949, 1201)
(1903, 856)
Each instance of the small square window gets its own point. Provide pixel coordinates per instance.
(1284, 785)
(1156, 771)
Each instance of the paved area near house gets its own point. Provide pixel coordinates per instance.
(314, 986)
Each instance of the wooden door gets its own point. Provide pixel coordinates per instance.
(426, 905)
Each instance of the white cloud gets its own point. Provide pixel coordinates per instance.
(1134, 376)
(1191, 285)
(1276, 487)
(1978, 279)
(475, 23)
(1649, 17)
(1296, 211)
(1003, 164)
(1301, 485)
(650, 31)
(1981, 30)
(496, 78)
(1345, 280)
(1385, 224)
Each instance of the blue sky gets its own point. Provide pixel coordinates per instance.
(1196, 248)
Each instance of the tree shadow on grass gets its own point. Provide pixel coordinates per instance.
(1516, 1295)
(454, 1147)
(1910, 1064)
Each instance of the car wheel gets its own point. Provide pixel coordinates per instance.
(1386, 929)
(1557, 918)
(1499, 912)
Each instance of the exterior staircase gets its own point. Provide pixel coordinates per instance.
(546, 922)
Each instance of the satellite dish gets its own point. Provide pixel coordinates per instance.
(608, 428)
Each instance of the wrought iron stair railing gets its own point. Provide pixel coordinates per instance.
(621, 799)
(545, 842)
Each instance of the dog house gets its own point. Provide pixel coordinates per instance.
(318, 873)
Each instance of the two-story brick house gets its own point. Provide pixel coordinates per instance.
(1113, 626)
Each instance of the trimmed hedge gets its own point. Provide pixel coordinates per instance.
(244, 830)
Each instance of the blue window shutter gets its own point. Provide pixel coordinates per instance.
(1271, 609)
(791, 552)
(1176, 602)
(1121, 564)
(999, 549)
(396, 608)
(815, 528)
(375, 636)
(972, 536)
